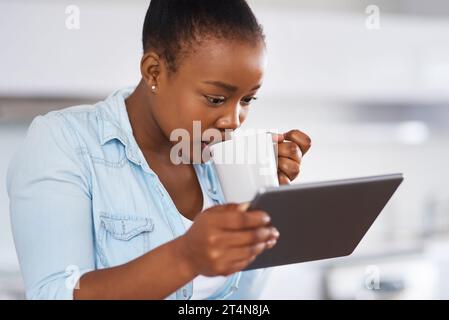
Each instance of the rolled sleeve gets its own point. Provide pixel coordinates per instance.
(50, 207)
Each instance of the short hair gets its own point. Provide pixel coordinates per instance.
(171, 27)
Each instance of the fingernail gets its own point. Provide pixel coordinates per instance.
(271, 243)
(266, 218)
(275, 232)
(243, 206)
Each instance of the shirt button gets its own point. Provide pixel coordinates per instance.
(184, 293)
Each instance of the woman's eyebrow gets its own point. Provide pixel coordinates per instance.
(227, 86)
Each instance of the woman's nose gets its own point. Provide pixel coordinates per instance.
(230, 120)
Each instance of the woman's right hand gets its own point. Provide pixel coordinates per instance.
(224, 239)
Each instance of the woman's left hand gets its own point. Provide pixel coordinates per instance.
(292, 145)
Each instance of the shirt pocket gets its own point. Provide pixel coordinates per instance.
(123, 238)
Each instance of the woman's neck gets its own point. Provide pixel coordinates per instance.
(146, 130)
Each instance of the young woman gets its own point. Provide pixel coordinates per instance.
(99, 210)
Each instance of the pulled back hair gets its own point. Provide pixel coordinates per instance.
(173, 27)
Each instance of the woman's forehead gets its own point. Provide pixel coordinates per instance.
(225, 60)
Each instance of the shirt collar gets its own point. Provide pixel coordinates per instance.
(114, 123)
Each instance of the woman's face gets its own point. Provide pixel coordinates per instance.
(215, 84)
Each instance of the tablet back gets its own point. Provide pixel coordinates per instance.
(321, 220)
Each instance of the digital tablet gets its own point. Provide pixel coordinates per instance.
(321, 220)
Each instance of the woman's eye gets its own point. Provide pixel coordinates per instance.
(216, 101)
(247, 101)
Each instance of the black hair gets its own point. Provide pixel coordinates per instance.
(172, 26)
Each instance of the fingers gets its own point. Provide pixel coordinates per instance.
(238, 220)
(251, 237)
(290, 154)
(241, 257)
(245, 253)
(283, 179)
(290, 150)
(289, 167)
(300, 138)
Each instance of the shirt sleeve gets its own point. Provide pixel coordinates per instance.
(50, 207)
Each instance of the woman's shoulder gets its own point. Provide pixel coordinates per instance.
(50, 148)
(91, 125)
(55, 136)
(76, 120)
(77, 127)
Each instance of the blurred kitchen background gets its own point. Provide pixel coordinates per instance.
(367, 80)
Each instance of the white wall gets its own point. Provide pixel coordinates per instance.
(330, 55)
(10, 137)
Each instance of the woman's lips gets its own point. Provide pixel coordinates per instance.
(210, 142)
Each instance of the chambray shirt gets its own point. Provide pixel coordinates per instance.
(83, 197)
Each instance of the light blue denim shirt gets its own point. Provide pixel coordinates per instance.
(83, 197)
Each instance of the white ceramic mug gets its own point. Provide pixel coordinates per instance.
(244, 164)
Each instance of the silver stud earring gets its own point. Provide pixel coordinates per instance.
(153, 87)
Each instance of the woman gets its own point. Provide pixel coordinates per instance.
(100, 211)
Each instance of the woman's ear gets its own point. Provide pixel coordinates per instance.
(150, 69)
